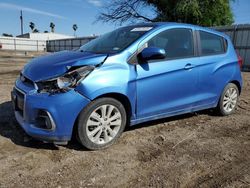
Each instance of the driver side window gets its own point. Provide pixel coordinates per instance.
(178, 43)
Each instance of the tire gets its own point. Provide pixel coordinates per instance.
(228, 100)
(106, 117)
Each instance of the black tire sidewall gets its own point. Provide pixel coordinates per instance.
(84, 115)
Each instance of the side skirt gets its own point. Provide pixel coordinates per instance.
(174, 113)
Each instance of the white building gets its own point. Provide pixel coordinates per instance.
(22, 44)
(44, 36)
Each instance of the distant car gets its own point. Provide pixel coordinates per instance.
(131, 75)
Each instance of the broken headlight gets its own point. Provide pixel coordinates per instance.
(68, 81)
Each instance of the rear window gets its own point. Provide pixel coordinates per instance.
(211, 44)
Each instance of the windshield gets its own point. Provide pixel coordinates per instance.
(115, 41)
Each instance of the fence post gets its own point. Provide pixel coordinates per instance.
(14, 44)
(234, 34)
(47, 44)
(37, 45)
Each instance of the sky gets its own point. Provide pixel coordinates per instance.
(65, 13)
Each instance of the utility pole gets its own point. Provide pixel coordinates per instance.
(21, 18)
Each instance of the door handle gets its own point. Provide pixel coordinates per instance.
(189, 66)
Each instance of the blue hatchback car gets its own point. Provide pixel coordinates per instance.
(131, 75)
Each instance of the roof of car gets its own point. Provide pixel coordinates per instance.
(155, 24)
(160, 24)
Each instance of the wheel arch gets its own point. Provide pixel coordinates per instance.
(118, 96)
(237, 83)
(122, 99)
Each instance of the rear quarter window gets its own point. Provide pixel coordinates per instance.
(211, 44)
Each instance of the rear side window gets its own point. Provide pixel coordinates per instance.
(178, 43)
(211, 44)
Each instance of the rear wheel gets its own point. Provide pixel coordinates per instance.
(228, 100)
(101, 123)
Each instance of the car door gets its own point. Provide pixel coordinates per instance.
(213, 71)
(169, 85)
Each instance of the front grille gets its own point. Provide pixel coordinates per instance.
(19, 101)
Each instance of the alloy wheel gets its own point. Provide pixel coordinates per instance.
(230, 100)
(103, 124)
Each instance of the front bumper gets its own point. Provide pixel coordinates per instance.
(62, 110)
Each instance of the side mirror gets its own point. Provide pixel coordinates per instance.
(152, 53)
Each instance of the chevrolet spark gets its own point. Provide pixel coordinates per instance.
(131, 75)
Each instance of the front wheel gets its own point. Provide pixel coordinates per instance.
(101, 123)
(228, 100)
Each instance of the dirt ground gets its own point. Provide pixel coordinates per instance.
(192, 150)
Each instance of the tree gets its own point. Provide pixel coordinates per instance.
(75, 27)
(7, 35)
(36, 31)
(120, 11)
(52, 26)
(200, 12)
(32, 26)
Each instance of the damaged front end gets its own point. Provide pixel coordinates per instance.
(45, 93)
(69, 80)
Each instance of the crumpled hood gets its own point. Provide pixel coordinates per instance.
(53, 65)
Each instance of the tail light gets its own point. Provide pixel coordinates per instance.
(240, 61)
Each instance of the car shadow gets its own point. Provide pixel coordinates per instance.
(10, 129)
